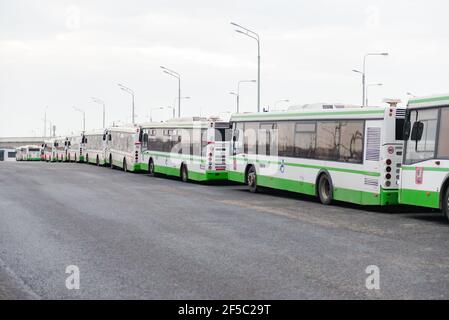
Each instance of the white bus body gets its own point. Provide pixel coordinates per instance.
(123, 148)
(190, 148)
(333, 152)
(32, 153)
(75, 148)
(425, 173)
(49, 150)
(95, 147)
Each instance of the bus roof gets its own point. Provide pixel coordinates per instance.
(95, 132)
(309, 114)
(429, 101)
(128, 129)
(191, 122)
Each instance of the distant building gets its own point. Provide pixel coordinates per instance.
(7, 154)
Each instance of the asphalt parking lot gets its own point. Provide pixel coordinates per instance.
(139, 237)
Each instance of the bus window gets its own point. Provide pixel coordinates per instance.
(443, 143)
(420, 145)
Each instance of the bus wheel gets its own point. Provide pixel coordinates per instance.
(445, 204)
(184, 173)
(325, 192)
(98, 161)
(251, 179)
(125, 168)
(151, 167)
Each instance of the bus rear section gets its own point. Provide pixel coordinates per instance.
(33, 153)
(217, 151)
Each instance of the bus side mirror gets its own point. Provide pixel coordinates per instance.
(104, 137)
(417, 131)
(235, 137)
(179, 139)
(110, 137)
(145, 137)
(140, 136)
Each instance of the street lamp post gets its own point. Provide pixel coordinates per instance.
(371, 85)
(101, 102)
(174, 102)
(131, 92)
(363, 73)
(177, 76)
(254, 36)
(45, 122)
(84, 117)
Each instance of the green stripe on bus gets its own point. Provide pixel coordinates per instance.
(193, 175)
(430, 199)
(424, 100)
(288, 115)
(309, 166)
(385, 197)
(173, 156)
(409, 168)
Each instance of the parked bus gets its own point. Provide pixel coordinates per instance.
(123, 148)
(60, 149)
(189, 148)
(425, 173)
(334, 152)
(31, 153)
(95, 146)
(49, 150)
(20, 153)
(75, 148)
(8, 154)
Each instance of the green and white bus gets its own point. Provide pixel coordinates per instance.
(32, 153)
(75, 148)
(95, 147)
(123, 147)
(49, 150)
(60, 149)
(20, 153)
(425, 172)
(335, 152)
(190, 148)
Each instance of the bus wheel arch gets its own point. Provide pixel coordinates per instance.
(251, 177)
(324, 187)
(184, 173)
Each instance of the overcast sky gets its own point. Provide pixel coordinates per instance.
(61, 53)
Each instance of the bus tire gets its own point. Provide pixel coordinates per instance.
(97, 161)
(125, 168)
(184, 173)
(445, 203)
(325, 189)
(251, 179)
(151, 167)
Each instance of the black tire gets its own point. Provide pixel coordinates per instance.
(98, 161)
(251, 179)
(125, 167)
(445, 203)
(325, 190)
(184, 173)
(151, 167)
